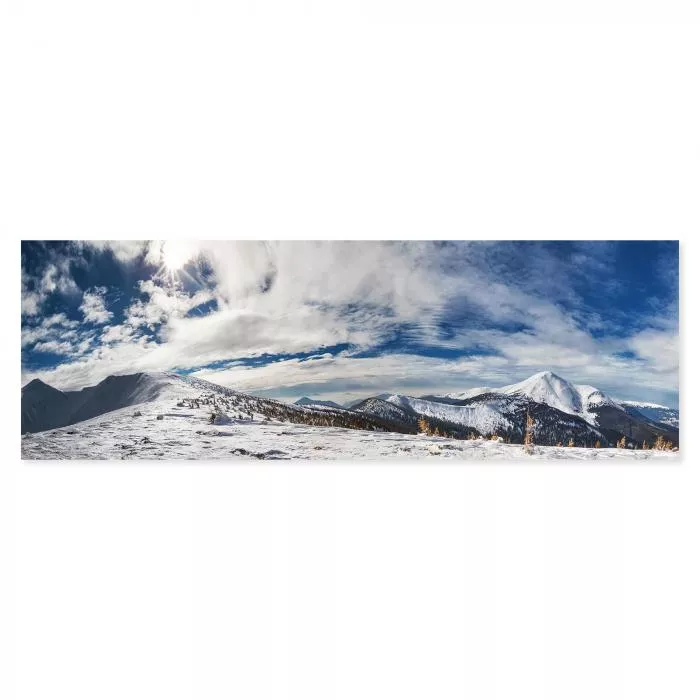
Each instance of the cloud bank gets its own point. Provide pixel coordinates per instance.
(348, 319)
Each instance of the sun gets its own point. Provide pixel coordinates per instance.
(176, 254)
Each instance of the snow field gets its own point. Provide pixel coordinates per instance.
(186, 433)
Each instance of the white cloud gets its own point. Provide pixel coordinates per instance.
(55, 326)
(59, 320)
(344, 377)
(128, 251)
(114, 334)
(54, 346)
(287, 297)
(56, 277)
(93, 306)
(124, 251)
(658, 348)
(31, 303)
(163, 304)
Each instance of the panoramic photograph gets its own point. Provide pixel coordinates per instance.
(282, 350)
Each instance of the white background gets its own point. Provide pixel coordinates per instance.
(354, 580)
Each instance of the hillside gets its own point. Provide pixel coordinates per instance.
(184, 432)
(44, 407)
(561, 412)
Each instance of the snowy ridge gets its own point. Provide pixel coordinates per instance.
(554, 391)
(643, 404)
(655, 412)
(377, 406)
(485, 417)
(470, 393)
(318, 403)
(45, 408)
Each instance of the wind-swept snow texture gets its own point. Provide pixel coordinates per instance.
(184, 432)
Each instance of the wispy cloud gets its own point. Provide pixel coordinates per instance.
(502, 309)
(93, 306)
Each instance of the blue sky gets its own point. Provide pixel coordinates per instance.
(344, 320)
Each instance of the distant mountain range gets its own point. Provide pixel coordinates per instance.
(561, 411)
(655, 412)
(306, 401)
(46, 408)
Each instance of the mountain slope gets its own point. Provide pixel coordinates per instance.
(654, 412)
(486, 415)
(557, 392)
(611, 417)
(468, 394)
(387, 411)
(306, 401)
(46, 408)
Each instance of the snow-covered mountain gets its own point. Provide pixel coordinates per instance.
(306, 401)
(553, 390)
(487, 415)
(654, 411)
(469, 393)
(582, 400)
(502, 410)
(377, 406)
(561, 412)
(46, 408)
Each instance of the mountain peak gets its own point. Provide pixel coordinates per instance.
(549, 388)
(547, 374)
(306, 401)
(37, 385)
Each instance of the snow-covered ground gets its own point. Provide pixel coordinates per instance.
(136, 432)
